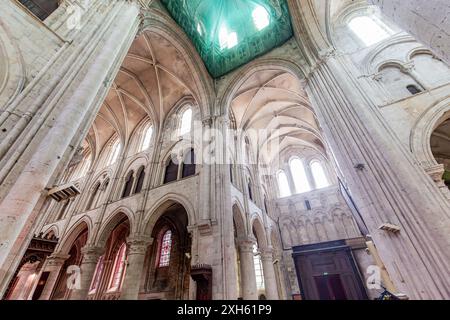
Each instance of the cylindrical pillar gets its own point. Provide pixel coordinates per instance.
(270, 280)
(248, 276)
(137, 248)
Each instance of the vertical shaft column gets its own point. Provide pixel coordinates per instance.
(270, 280)
(248, 276)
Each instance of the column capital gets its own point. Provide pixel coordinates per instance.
(91, 254)
(57, 259)
(246, 244)
(138, 244)
(267, 254)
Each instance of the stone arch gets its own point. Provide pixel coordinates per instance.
(73, 233)
(166, 271)
(422, 130)
(160, 207)
(115, 218)
(51, 229)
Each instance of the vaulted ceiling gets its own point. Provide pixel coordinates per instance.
(152, 79)
(275, 101)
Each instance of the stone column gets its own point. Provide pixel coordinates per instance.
(137, 248)
(270, 280)
(248, 276)
(91, 256)
(428, 21)
(386, 183)
(52, 140)
(53, 265)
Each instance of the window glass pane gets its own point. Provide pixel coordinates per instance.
(186, 121)
(260, 18)
(166, 246)
(258, 268)
(283, 185)
(319, 175)
(299, 176)
(369, 31)
(171, 172)
(189, 164)
(147, 138)
(140, 181)
(119, 266)
(97, 275)
(114, 153)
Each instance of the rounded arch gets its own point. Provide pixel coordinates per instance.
(417, 51)
(160, 207)
(80, 226)
(115, 218)
(422, 130)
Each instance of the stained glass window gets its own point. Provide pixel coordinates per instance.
(258, 268)
(118, 270)
(97, 275)
(230, 33)
(166, 246)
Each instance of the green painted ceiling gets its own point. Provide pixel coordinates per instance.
(230, 33)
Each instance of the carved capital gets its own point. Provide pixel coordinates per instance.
(267, 254)
(91, 254)
(436, 172)
(246, 245)
(57, 259)
(138, 244)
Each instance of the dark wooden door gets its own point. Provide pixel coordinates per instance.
(327, 271)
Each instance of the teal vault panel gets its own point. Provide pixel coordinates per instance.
(230, 33)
